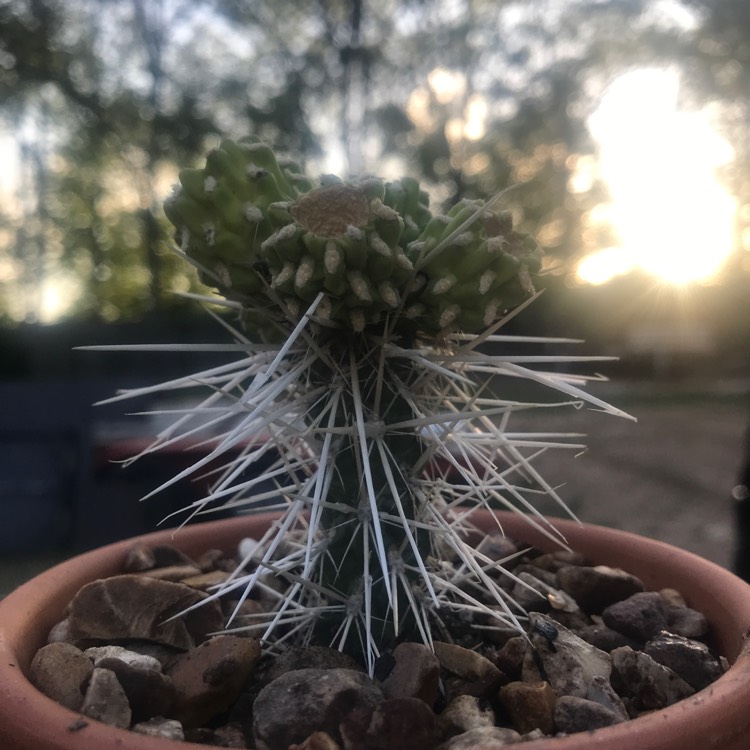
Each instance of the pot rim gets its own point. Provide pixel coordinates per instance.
(28, 613)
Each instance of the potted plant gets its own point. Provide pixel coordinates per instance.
(368, 355)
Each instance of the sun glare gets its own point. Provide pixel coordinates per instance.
(673, 217)
(58, 296)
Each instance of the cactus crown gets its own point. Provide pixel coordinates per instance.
(263, 235)
(369, 391)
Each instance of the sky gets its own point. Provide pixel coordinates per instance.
(673, 217)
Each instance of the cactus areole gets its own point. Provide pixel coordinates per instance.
(360, 314)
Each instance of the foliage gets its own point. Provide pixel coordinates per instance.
(106, 98)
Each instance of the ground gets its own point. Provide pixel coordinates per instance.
(669, 475)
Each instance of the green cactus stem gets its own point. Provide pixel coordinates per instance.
(384, 489)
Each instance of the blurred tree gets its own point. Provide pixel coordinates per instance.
(106, 97)
(104, 131)
(718, 70)
(717, 73)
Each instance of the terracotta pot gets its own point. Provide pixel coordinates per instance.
(717, 717)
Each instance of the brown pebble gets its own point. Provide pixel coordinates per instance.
(688, 658)
(595, 588)
(175, 573)
(203, 581)
(463, 713)
(466, 663)
(59, 670)
(214, 559)
(646, 683)
(208, 679)
(396, 723)
(530, 705)
(416, 674)
(131, 606)
(509, 659)
(553, 561)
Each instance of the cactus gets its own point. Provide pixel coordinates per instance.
(258, 230)
(366, 389)
(224, 212)
(341, 241)
(475, 268)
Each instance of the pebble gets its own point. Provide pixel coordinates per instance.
(391, 724)
(530, 705)
(548, 576)
(601, 691)
(302, 657)
(686, 622)
(59, 670)
(215, 559)
(59, 633)
(105, 700)
(690, 659)
(219, 737)
(208, 679)
(566, 606)
(230, 735)
(497, 547)
(640, 616)
(247, 612)
(573, 620)
(415, 674)
(575, 714)
(463, 713)
(604, 638)
(174, 573)
(538, 590)
(149, 692)
(595, 588)
(648, 683)
(317, 741)
(472, 667)
(566, 661)
(486, 738)
(672, 597)
(165, 655)
(158, 726)
(131, 658)
(131, 606)
(532, 593)
(143, 557)
(298, 703)
(173, 681)
(204, 581)
(509, 658)
(561, 558)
